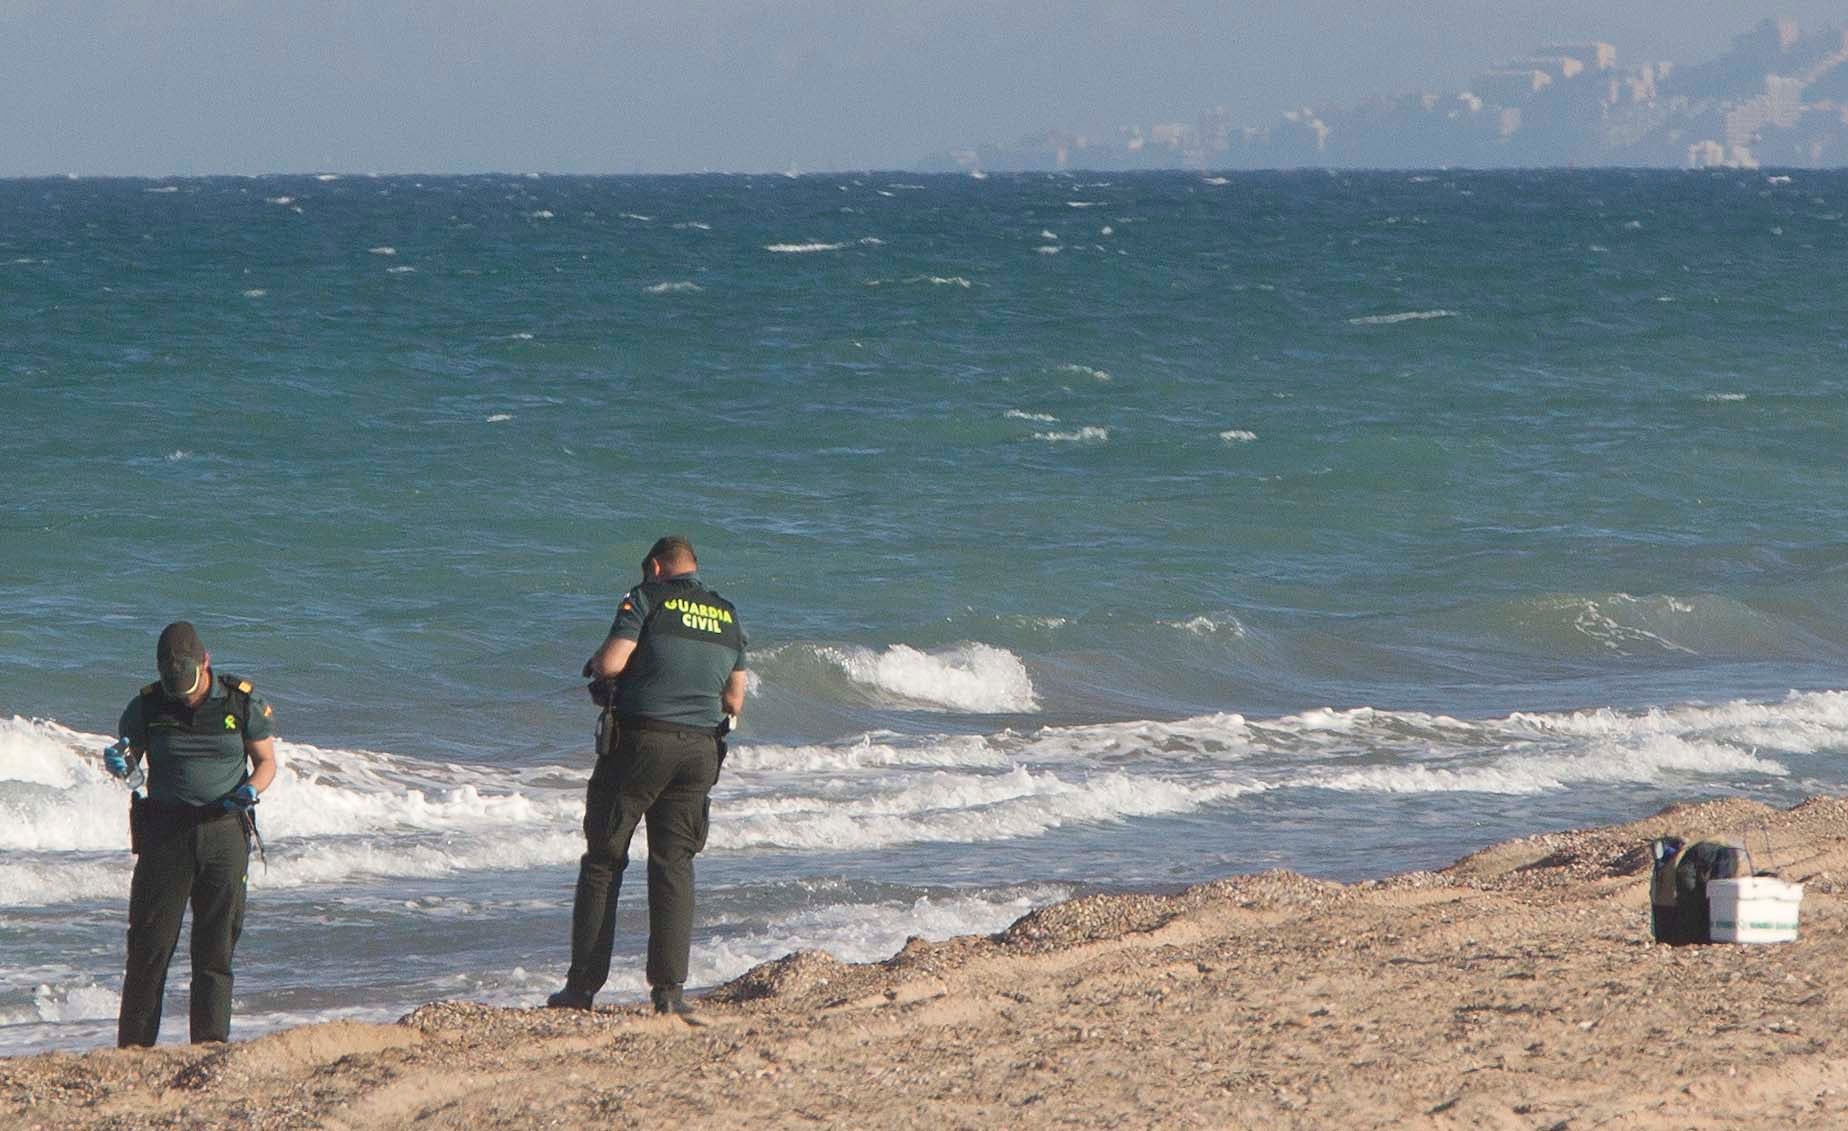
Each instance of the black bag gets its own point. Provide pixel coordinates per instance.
(1678, 886)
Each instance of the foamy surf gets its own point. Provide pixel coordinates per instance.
(1405, 316)
(970, 677)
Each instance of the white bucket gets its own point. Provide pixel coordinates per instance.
(1753, 909)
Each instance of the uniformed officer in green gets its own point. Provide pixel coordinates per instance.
(671, 674)
(208, 743)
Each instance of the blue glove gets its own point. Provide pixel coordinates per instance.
(115, 758)
(240, 800)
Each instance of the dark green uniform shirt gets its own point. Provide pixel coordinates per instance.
(195, 755)
(686, 649)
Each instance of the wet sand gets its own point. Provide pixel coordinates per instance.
(1517, 988)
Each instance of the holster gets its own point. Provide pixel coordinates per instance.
(137, 822)
(607, 731)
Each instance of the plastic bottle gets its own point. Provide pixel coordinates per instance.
(137, 776)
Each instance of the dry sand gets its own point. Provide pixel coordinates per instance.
(1517, 988)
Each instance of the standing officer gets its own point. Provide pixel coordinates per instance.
(670, 673)
(210, 751)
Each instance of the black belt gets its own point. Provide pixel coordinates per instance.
(185, 812)
(643, 722)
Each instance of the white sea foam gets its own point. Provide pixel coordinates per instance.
(1046, 249)
(282, 200)
(382, 249)
(871, 751)
(542, 214)
(802, 248)
(693, 225)
(969, 677)
(1207, 626)
(1083, 203)
(1089, 434)
(1214, 181)
(1048, 234)
(1722, 398)
(1037, 417)
(163, 189)
(636, 216)
(63, 1003)
(400, 270)
(328, 177)
(680, 287)
(871, 241)
(1085, 371)
(1406, 316)
(255, 292)
(944, 807)
(500, 417)
(1237, 436)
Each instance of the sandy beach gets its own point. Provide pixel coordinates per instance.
(1517, 988)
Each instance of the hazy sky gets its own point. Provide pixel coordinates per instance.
(240, 86)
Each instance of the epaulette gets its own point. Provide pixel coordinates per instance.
(244, 686)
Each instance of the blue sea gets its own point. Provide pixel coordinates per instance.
(1091, 532)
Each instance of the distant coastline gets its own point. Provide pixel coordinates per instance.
(1777, 98)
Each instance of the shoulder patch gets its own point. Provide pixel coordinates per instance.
(268, 710)
(244, 686)
(151, 688)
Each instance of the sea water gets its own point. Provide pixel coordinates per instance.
(1090, 531)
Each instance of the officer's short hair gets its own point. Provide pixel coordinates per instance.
(673, 550)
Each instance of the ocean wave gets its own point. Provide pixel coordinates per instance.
(1407, 316)
(1237, 436)
(959, 809)
(1085, 371)
(970, 677)
(1038, 417)
(803, 248)
(681, 287)
(1089, 434)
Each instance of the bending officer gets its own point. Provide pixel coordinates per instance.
(208, 743)
(669, 673)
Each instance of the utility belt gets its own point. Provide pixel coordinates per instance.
(146, 816)
(643, 722)
(610, 725)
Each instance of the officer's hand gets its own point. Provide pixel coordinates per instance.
(115, 759)
(241, 800)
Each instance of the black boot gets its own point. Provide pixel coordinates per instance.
(568, 998)
(667, 999)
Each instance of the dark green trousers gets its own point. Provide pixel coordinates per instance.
(664, 776)
(183, 860)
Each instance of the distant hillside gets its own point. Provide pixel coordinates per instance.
(1778, 97)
